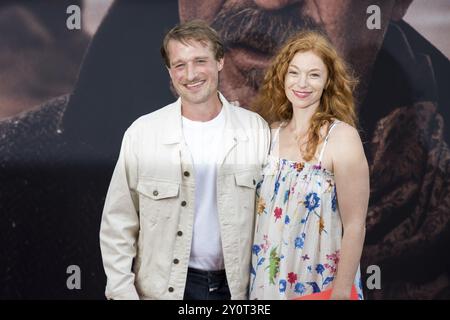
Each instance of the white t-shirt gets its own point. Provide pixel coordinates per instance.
(205, 140)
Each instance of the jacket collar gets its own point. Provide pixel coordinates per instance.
(173, 123)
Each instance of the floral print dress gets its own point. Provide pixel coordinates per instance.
(298, 229)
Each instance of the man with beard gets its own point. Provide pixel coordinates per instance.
(56, 162)
(402, 99)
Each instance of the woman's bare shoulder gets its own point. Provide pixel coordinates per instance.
(344, 131)
(345, 139)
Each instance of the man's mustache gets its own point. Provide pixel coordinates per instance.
(186, 83)
(261, 30)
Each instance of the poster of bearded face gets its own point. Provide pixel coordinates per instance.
(68, 94)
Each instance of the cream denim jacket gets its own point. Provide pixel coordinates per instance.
(146, 228)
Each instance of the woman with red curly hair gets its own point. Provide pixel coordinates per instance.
(312, 201)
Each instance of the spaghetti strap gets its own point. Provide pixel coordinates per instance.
(326, 140)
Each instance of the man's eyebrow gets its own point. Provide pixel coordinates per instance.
(176, 62)
(195, 58)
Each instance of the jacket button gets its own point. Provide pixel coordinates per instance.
(171, 289)
(183, 203)
(179, 233)
(187, 174)
(254, 182)
(176, 261)
(155, 193)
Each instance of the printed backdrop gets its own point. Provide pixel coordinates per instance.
(67, 96)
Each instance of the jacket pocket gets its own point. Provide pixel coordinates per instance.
(157, 198)
(245, 192)
(247, 179)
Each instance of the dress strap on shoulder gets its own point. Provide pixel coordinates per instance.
(326, 139)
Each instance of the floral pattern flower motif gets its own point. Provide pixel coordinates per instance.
(274, 265)
(282, 285)
(330, 185)
(277, 213)
(334, 257)
(320, 268)
(286, 196)
(298, 166)
(287, 220)
(261, 206)
(277, 186)
(311, 201)
(299, 288)
(327, 281)
(265, 246)
(256, 249)
(321, 226)
(334, 201)
(292, 278)
(332, 269)
(314, 286)
(299, 243)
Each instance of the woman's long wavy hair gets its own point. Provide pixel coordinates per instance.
(337, 100)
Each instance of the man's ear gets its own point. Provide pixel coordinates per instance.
(400, 8)
(220, 64)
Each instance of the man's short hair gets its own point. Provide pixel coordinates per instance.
(197, 30)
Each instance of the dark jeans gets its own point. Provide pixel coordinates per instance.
(206, 285)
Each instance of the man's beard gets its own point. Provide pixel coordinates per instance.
(259, 30)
